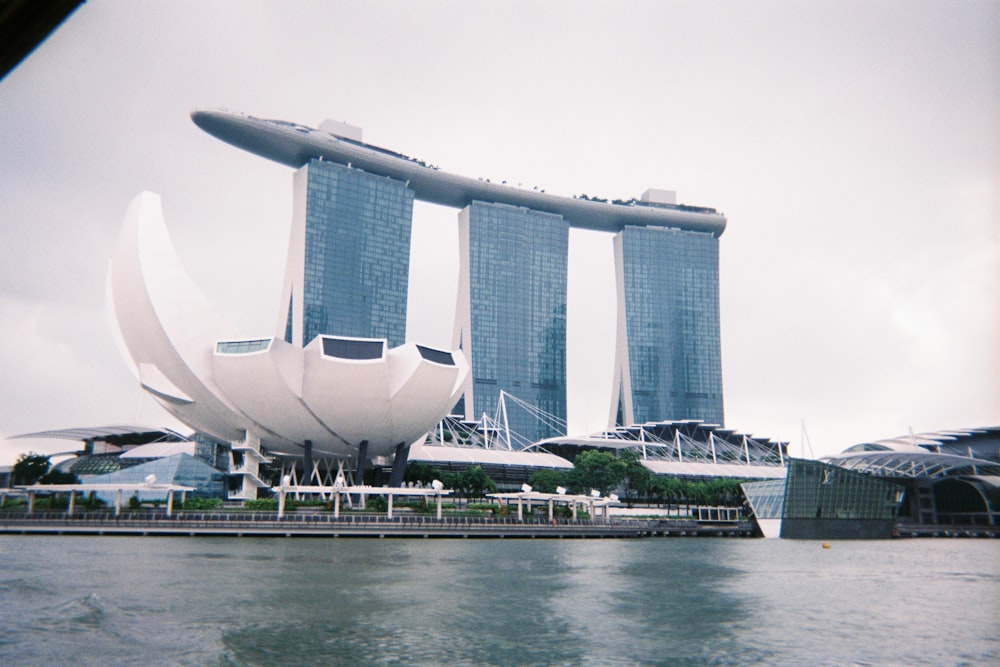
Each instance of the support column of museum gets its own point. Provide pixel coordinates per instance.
(249, 467)
(399, 465)
(359, 474)
(307, 463)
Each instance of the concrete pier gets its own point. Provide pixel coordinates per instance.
(267, 524)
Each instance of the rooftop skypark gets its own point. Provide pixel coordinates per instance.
(294, 145)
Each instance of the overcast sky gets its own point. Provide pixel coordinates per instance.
(853, 146)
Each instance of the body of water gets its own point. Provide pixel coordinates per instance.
(666, 601)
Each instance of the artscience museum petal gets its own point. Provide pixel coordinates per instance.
(167, 326)
(338, 396)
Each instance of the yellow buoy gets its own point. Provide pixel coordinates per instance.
(826, 545)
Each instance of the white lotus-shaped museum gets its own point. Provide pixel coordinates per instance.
(341, 394)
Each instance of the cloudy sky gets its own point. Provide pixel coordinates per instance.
(853, 146)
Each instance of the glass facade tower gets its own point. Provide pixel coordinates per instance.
(668, 363)
(349, 255)
(511, 316)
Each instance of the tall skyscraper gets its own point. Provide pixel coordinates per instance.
(668, 360)
(511, 316)
(348, 255)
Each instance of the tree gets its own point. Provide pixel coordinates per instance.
(727, 492)
(669, 489)
(418, 471)
(455, 481)
(546, 480)
(476, 482)
(30, 467)
(657, 490)
(638, 479)
(597, 470)
(701, 493)
(472, 483)
(56, 476)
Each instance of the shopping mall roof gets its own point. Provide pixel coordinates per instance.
(159, 450)
(729, 470)
(439, 454)
(683, 448)
(115, 434)
(948, 453)
(914, 464)
(982, 442)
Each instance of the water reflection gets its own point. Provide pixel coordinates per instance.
(497, 602)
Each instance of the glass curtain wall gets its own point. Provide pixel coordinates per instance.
(671, 293)
(517, 274)
(357, 254)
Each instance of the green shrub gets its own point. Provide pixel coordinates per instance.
(262, 505)
(92, 502)
(486, 507)
(54, 476)
(422, 506)
(311, 502)
(52, 503)
(566, 512)
(202, 504)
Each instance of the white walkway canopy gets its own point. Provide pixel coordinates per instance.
(594, 500)
(73, 489)
(360, 490)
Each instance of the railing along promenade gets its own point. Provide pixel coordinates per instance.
(320, 524)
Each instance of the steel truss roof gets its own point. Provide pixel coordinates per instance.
(911, 464)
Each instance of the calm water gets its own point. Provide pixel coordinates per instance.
(674, 601)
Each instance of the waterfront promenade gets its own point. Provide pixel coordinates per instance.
(321, 524)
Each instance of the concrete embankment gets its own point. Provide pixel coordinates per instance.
(320, 525)
(944, 530)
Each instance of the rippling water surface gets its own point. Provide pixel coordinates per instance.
(669, 601)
